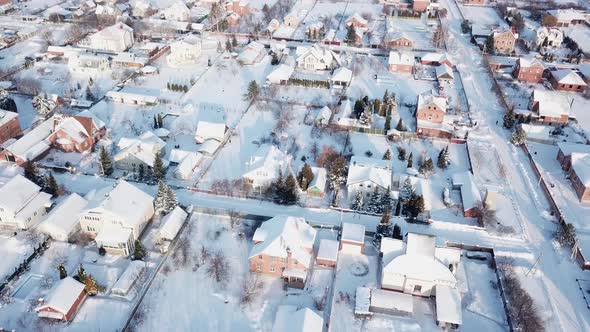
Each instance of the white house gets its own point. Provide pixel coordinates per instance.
(341, 77)
(137, 151)
(22, 203)
(116, 38)
(315, 57)
(186, 51)
(280, 75)
(265, 165)
(417, 266)
(291, 318)
(317, 186)
(171, 224)
(252, 53)
(88, 63)
(549, 37)
(187, 165)
(210, 131)
(117, 217)
(366, 174)
(178, 12)
(63, 221)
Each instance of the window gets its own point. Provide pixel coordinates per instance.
(258, 267)
(259, 256)
(272, 258)
(417, 288)
(283, 260)
(272, 268)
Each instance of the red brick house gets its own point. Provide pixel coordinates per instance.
(529, 70)
(430, 115)
(567, 80)
(9, 125)
(327, 253)
(63, 301)
(283, 247)
(579, 175)
(352, 238)
(504, 41)
(420, 5)
(399, 41)
(564, 155)
(357, 21)
(550, 107)
(401, 62)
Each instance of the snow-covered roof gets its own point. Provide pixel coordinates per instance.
(74, 129)
(209, 147)
(188, 164)
(581, 165)
(567, 76)
(123, 95)
(281, 234)
(251, 52)
(324, 115)
(33, 143)
(6, 116)
(391, 248)
(268, 158)
(434, 57)
(319, 179)
(444, 71)
(448, 305)
(567, 15)
(401, 58)
(395, 301)
(585, 70)
(64, 218)
(114, 32)
(127, 279)
(448, 256)
(470, 194)
(323, 54)
(281, 73)
(171, 223)
(569, 148)
(328, 250)
(362, 302)
(420, 244)
(353, 233)
(552, 103)
(210, 130)
(113, 235)
(369, 169)
(17, 193)
(528, 61)
(342, 74)
(292, 318)
(143, 147)
(356, 17)
(427, 98)
(62, 296)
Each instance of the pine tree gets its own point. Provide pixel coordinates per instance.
(89, 94)
(386, 199)
(91, 286)
(411, 160)
(277, 189)
(161, 120)
(171, 200)
(406, 191)
(489, 45)
(365, 118)
(427, 167)
(401, 154)
(397, 232)
(159, 170)
(337, 172)
(62, 271)
(106, 163)
(387, 125)
(350, 35)
(51, 186)
(291, 194)
(400, 126)
(32, 173)
(155, 126)
(415, 205)
(387, 155)
(228, 46)
(509, 119)
(443, 158)
(140, 172)
(253, 91)
(234, 41)
(139, 253)
(374, 204)
(160, 201)
(81, 274)
(566, 235)
(383, 228)
(357, 203)
(305, 176)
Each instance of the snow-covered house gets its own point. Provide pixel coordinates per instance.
(551, 107)
(430, 114)
(341, 77)
(116, 38)
(567, 80)
(117, 217)
(252, 53)
(504, 40)
(63, 301)
(88, 63)
(62, 222)
(564, 154)
(128, 60)
(132, 98)
(138, 152)
(238, 7)
(565, 17)
(551, 37)
(315, 57)
(125, 283)
(187, 165)
(357, 21)
(449, 313)
(265, 165)
(76, 133)
(22, 204)
(178, 11)
(142, 8)
(444, 73)
(171, 224)
(107, 10)
(317, 186)
(417, 266)
(280, 75)
(210, 131)
(352, 238)
(470, 195)
(291, 318)
(323, 117)
(529, 69)
(384, 302)
(327, 253)
(401, 62)
(435, 59)
(9, 125)
(366, 175)
(283, 247)
(579, 174)
(186, 51)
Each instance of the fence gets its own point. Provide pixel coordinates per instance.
(24, 266)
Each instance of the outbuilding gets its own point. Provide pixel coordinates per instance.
(327, 253)
(63, 301)
(124, 284)
(352, 240)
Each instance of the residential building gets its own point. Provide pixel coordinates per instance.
(551, 107)
(62, 222)
(293, 318)
(474, 2)
(63, 301)
(210, 131)
(315, 57)
(567, 17)
(548, 37)
(420, 5)
(252, 53)
(128, 60)
(22, 204)
(283, 247)
(579, 174)
(430, 115)
(435, 59)
(470, 195)
(398, 40)
(567, 80)
(178, 11)
(324, 116)
(504, 41)
(444, 74)
(116, 38)
(265, 166)
(341, 78)
(239, 7)
(88, 63)
(116, 217)
(357, 21)
(139, 152)
(352, 239)
(564, 155)
(186, 51)
(529, 69)
(280, 75)
(327, 253)
(401, 62)
(366, 175)
(317, 186)
(9, 125)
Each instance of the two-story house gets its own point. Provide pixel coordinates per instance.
(315, 57)
(529, 70)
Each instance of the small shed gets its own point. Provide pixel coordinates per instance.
(362, 303)
(124, 284)
(324, 116)
(391, 303)
(341, 77)
(327, 253)
(352, 239)
(280, 75)
(444, 73)
(63, 301)
(317, 187)
(448, 307)
(171, 224)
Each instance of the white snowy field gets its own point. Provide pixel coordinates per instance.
(14, 251)
(14, 56)
(482, 16)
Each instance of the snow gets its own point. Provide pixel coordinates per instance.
(328, 250)
(208, 130)
(567, 76)
(63, 220)
(362, 301)
(62, 296)
(552, 103)
(281, 73)
(353, 233)
(111, 235)
(133, 271)
(448, 305)
(33, 143)
(388, 300)
(369, 169)
(17, 193)
(293, 319)
(470, 195)
(171, 223)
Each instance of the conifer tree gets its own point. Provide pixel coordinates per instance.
(291, 194)
(350, 35)
(397, 232)
(386, 199)
(427, 167)
(415, 205)
(305, 176)
(159, 170)
(81, 274)
(400, 126)
(161, 120)
(443, 158)
(411, 160)
(139, 253)
(89, 94)
(374, 204)
(519, 136)
(387, 125)
(405, 192)
(253, 91)
(401, 154)
(357, 203)
(51, 186)
(509, 119)
(140, 172)
(383, 228)
(62, 271)
(106, 163)
(155, 126)
(387, 155)
(31, 172)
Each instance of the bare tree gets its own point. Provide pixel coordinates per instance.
(521, 306)
(485, 216)
(250, 287)
(219, 268)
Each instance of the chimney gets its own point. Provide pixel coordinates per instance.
(41, 301)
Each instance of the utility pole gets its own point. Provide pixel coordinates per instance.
(534, 265)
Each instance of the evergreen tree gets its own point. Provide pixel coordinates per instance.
(337, 173)
(159, 170)
(383, 228)
(106, 163)
(92, 287)
(350, 35)
(102, 251)
(427, 167)
(31, 172)
(400, 126)
(415, 205)
(171, 200)
(387, 125)
(139, 253)
(140, 172)
(234, 41)
(374, 204)
(81, 274)
(160, 201)
(277, 189)
(228, 46)
(89, 94)
(357, 203)
(489, 45)
(566, 235)
(387, 155)
(401, 154)
(155, 126)
(161, 120)
(51, 186)
(397, 232)
(305, 176)
(443, 158)
(406, 191)
(291, 194)
(509, 119)
(386, 199)
(411, 160)
(62, 271)
(253, 91)
(365, 118)
(7, 103)
(519, 136)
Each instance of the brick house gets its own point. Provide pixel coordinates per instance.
(9, 125)
(283, 247)
(64, 300)
(327, 253)
(240, 7)
(430, 115)
(579, 175)
(401, 62)
(397, 40)
(504, 41)
(564, 154)
(529, 70)
(420, 5)
(357, 21)
(550, 107)
(567, 80)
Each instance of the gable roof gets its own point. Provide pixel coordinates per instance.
(210, 130)
(552, 103)
(114, 32)
(7, 116)
(353, 233)
(567, 76)
(323, 54)
(268, 157)
(171, 223)
(427, 98)
(63, 295)
(470, 194)
(342, 74)
(291, 318)
(581, 165)
(530, 61)
(143, 147)
(17, 193)
(64, 218)
(369, 169)
(444, 71)
(401, 58)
